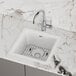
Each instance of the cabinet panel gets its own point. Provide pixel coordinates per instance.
(11, 69)
(36, 72)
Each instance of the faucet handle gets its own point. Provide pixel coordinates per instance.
(49, 26)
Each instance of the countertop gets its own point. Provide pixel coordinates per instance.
(13, 25)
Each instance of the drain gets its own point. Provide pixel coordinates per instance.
(37, 55)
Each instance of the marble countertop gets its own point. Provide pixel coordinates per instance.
(12, 25)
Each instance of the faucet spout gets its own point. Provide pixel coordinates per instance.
(43, 24)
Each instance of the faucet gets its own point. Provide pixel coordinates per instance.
(43, 25)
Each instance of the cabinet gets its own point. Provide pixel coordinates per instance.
(8, 68)
(36, 72)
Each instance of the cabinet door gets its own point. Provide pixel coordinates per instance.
(36, 72)
(11, 69)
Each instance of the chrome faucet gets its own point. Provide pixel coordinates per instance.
(43, 24)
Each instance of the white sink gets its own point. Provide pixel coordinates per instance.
(35, 45)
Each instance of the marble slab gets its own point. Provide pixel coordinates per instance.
(60, 12)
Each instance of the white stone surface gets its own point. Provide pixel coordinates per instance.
(62, 14)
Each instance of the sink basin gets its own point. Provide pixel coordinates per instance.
(35, 45)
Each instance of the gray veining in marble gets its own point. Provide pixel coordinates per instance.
(60, 12)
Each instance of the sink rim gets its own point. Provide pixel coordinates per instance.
(12, 53)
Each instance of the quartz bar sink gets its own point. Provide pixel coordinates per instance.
(35, 45)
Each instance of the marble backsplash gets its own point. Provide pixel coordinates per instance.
(60, 12)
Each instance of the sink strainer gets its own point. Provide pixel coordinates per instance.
(36, 52)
